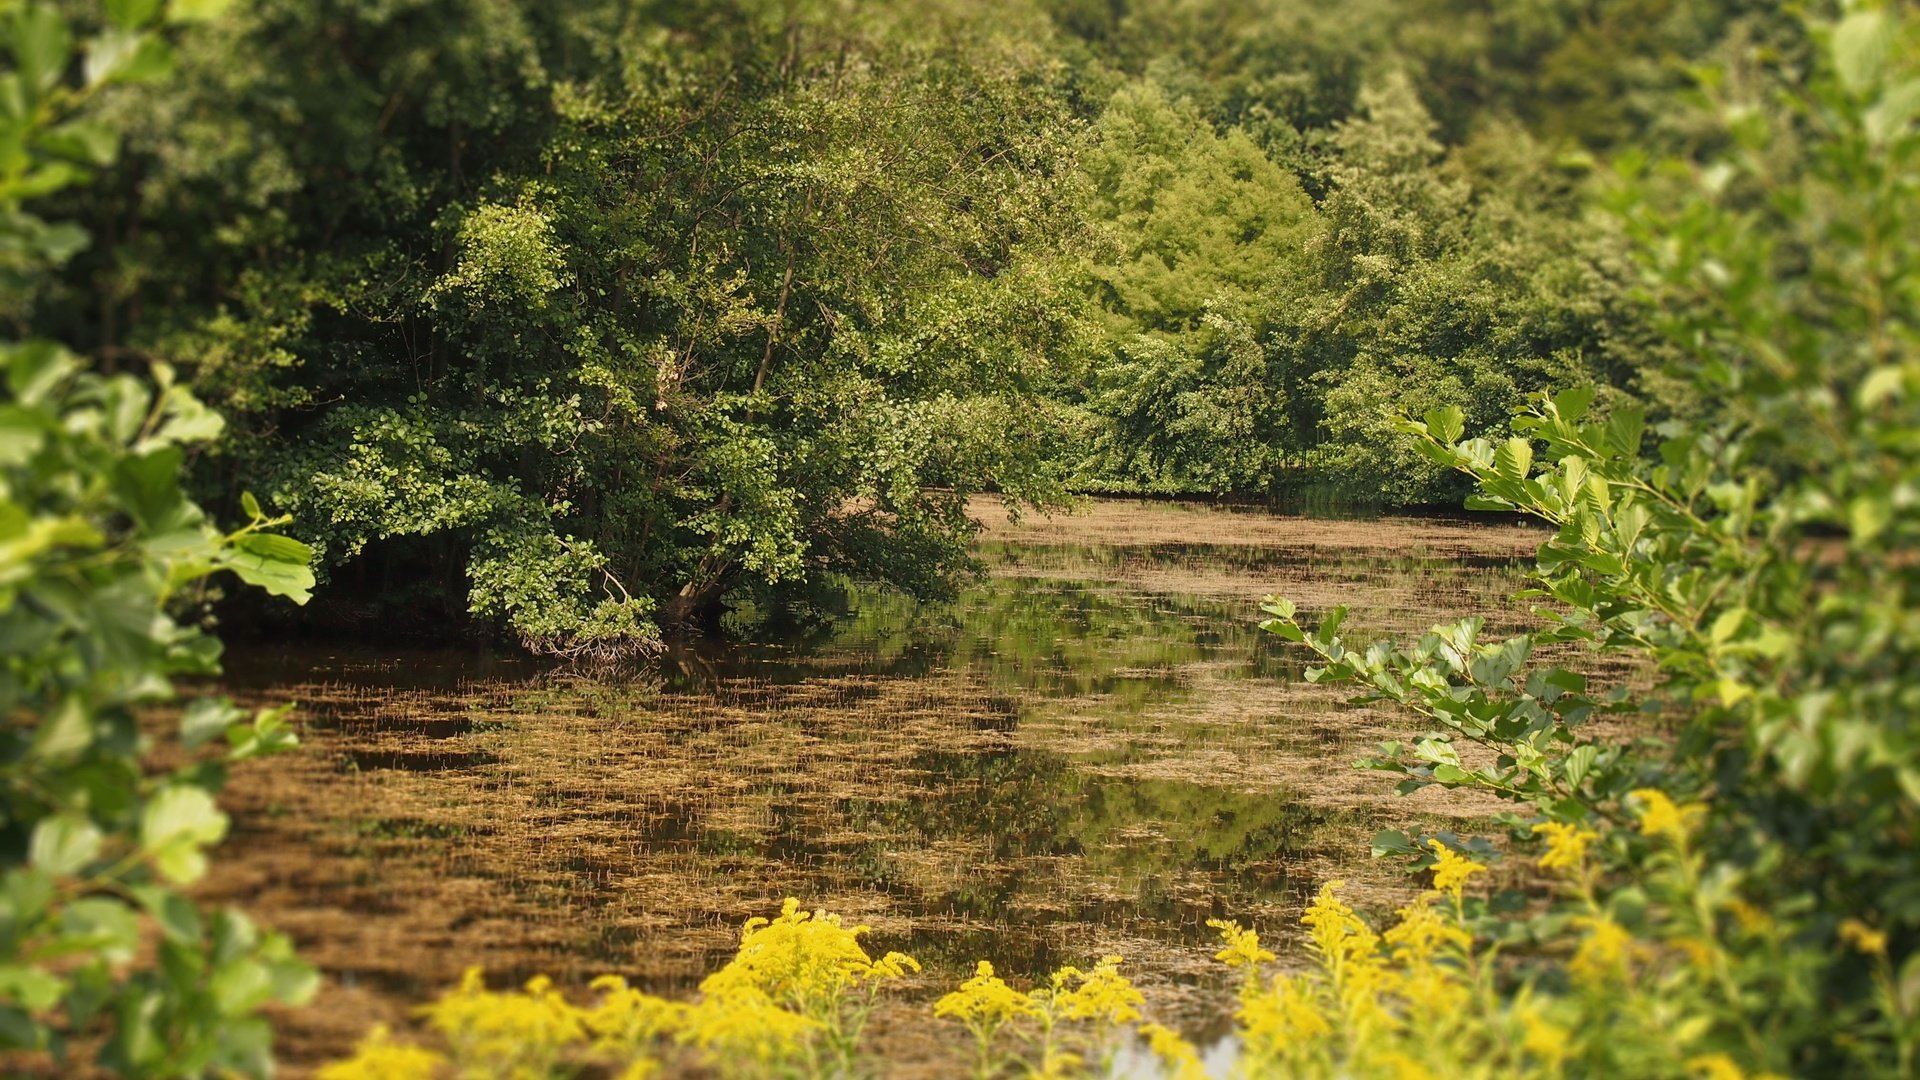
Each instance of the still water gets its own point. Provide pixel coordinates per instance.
(1091, 751)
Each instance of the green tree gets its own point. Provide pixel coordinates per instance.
(578, 320)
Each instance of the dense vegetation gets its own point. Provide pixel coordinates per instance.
(580, 320)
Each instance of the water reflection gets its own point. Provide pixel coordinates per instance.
(1092, 750)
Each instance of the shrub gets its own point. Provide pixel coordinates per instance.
(99, 947)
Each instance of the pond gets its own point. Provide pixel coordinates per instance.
(1092, 750)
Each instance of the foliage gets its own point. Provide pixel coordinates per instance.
(100, 947)
(1759, 565)
(625, 308)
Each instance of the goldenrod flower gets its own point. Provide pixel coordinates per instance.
(1752, 920)
(1659, 816)
(1566, 845)
(1451, 873)
(1283, 1015)
(1863, 937)
(1331, 923)
(1407, 1067)
(1243, 946)
(1544, 1039)
(984, 1000)
(378, 1057)
(1104, 995)
(744, 1023)
(1602, 955)
(1715, 1067)
(517, 1032)
(1422, 933)
(1177, 1054)
(1699, 953)
(625, 1020)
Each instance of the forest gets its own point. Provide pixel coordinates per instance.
(1091, 423)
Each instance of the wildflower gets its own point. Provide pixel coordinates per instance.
(519, 1032)
(1753, 920)
(1283, 1016)
(1864, 938)
(1603, 953)
(1177, 1054)
(803, 959)
(1544, 1039)
(984, 1000)
(1104, 995)
(378, 1057)
(1659, 816)
(1715, 1067)
(1451, 873)
(1332, 925)
(1698, 952)
(742, 1022)
(1566, 845)
(1242, 946)
(1407, 1067)
(625, 1019)
(1436, 989)
(1422, 933)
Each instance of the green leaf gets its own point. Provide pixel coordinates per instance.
(179, 919)
(65, 732)
(1447, 423)
(63, 844)
(277, 564)
(1861, 45)
(132, 13)
(1625, 428)
(1514, 459)
(1579, 763)
(189, 11)
(41, 46)
(31, 987)
(207, 719)
(250, 506)
(1573, 402)
(174, 828)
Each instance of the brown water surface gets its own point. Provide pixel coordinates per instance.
(1091, 751)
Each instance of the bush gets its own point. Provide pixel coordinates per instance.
(99, 947)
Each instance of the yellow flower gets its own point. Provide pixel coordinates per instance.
(626, 1020)
(378, 1057)
(984, 1001)
(1182, 1061)
(1422, 933)
(804, 960)
(1715, 1067)
(1698, 952)
(1334, 930)
(1451, 873)
(1104, 995)
(1545, 1039)
(1283, 1016)
(1407, 1067)
(1660, 817)
(1242, 945)
(743, 1022)
(1752, 920)
(1863, 937)
(1603, 953)
(510, 1032)
(1566, 845)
